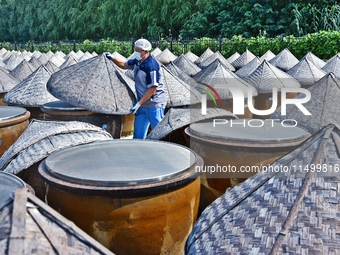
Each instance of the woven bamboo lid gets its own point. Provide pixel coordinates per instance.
(191, 56)
(207, 53)
(22, 70)
(93, 84)
(323, 105)
(49, 54)
(4, 54)
(35, 63)
(156, 52)
(57, 60)
(70, 60)
(166, 56)
(186, 65)
(43, 58)
(7, 81)
(333, 66)
(12, 61)
(243, 59)
(71, 53)
(183, 75)
(52, 68)
(212, 58)
(314, 59)
(32, 91)
(60, 53)
(178, 92)
(2, 51)
(233, 57)
(177, 118)
(266, 77)
(36, 54)
(268, 55)
(278, 212)
(221, 79)
(41, 138)
(85, 56)
(284, 60)
(306, 73)
(80, 53)
(30, 227)
(246, 70)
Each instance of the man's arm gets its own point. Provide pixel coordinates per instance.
(119, 62)
(148, 94)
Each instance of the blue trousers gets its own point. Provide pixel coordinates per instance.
(143, 118)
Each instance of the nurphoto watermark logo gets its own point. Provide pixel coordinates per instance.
(204, 97)
(239, 100)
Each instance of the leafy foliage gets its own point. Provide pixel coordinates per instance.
(38, 20)
(324, 44)
(55, 20)
(327, 18)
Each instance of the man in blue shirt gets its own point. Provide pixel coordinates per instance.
(149, 88)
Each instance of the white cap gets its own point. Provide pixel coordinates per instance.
(143, 44)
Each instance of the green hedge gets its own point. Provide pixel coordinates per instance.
(324, 44)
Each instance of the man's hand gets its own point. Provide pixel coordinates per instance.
(134, 108)
(108, 55)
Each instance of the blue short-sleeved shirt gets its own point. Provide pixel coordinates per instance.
(147, 74)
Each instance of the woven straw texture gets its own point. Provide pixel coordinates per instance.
(246, 70)
(207, 53)
(31, 91)
(191, 56)
(51, 67)
(323, 106)
(28, 227)
(333, 66)
(268, 55)
(166, 56)
(86, 55)
(233, 57)
(12, 61)
(243, 59)
(212, 58)
(22, 71)
(156, 52)
(278, 213)
(35, 63)
(221, 79)
(314, 59)
(71, 54)
(306, 73)
(41, 138)
(180, 73)
(284, 60)
(57, 60)
(43, 58)
(70, 60)
(7, 81)
(266, 77)
(186, 65)
(178, 92)
(93, 84)
(176, 118)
